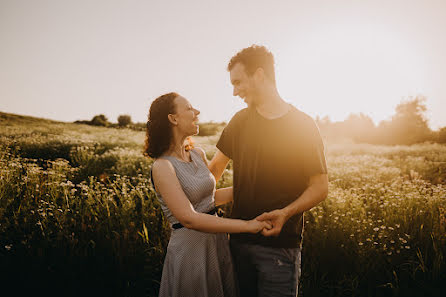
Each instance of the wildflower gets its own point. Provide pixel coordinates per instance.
(376, 229)
(360, 243)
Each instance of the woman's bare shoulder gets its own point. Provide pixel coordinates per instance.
(161, 165)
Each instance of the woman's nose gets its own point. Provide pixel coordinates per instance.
(197, 111)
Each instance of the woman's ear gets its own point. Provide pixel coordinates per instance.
(172, 119)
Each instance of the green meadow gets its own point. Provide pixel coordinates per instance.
(78, 216)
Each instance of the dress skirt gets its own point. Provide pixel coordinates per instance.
(198, 264)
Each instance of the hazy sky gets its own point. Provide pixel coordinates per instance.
(71, 60)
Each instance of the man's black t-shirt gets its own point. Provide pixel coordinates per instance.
(273, 160)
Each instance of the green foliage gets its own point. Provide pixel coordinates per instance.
(209, 129)
(382, 220)
(78, 216)
(110, 236)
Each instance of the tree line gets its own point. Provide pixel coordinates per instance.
(408, 125)
(125, 121)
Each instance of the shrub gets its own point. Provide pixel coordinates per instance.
(99, 120)
(209, 129)
(124, 120)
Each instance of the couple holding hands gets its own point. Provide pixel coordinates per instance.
(279, 172)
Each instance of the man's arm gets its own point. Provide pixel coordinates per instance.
(223, 196)
(218, 164)
(315, 193)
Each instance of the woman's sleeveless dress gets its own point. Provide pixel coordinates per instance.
(197, 264)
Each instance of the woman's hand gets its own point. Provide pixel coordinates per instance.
(255, 226)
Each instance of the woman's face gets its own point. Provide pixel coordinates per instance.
(186, 117)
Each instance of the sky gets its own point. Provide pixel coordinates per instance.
(71, 60)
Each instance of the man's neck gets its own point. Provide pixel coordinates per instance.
(272, 106)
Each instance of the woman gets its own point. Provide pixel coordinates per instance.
(198, 261)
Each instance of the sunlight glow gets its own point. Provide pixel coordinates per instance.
(343, 69)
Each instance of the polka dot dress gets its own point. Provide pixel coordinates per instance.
(196, 263)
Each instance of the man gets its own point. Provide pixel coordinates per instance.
(279, 172)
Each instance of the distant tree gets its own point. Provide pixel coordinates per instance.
(325, 126)
(408, 125)
(359, 127)
(99, 120)
(442, 135)
(124, 120)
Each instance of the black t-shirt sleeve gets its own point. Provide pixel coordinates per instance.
(227, 138)
(315, 154)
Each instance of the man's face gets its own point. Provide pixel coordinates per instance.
(243, 84)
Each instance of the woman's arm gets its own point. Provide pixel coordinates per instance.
(167, 184)
(223, 196)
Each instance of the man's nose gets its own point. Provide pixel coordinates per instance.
(235, 91)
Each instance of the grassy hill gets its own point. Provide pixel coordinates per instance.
(10, 118)
(78, 215)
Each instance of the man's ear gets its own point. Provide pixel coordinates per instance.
(259, 75)
(172, 119)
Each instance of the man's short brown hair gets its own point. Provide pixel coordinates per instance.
(254, 57)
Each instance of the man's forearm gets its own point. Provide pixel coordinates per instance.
(312, 196)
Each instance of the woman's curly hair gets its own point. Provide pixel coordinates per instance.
(159, 129)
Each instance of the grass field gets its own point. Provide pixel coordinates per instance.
(78, 216)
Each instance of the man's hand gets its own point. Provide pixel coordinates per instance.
(276, 218)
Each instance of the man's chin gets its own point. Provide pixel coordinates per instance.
(250, 103)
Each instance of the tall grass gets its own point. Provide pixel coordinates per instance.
(78, 216)
(94, 237)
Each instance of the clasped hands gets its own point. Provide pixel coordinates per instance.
(274, 221)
